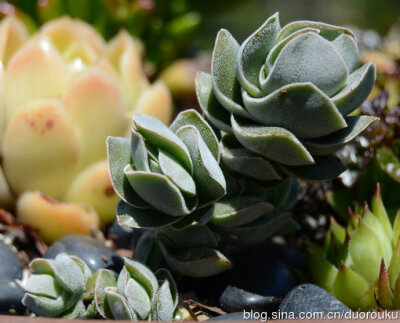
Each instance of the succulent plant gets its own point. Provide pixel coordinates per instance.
(360, 264)
(137, 294)
(66, 90)
(56, 287)
(282, 98)
(166, 175)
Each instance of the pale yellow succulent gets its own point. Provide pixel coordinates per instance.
(63, 90)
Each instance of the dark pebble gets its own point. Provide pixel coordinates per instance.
(10, 265)
(125, 237)
(10, 296)
(234, 300)
(311, 298)
(93, 252)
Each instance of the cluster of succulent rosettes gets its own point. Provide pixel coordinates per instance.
(137, 294)
(360, 264)
(64, 91)
(57, 286)
(166, 174)
(65, 287)
(284, 95)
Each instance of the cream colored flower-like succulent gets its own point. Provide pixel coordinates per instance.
(64, 90)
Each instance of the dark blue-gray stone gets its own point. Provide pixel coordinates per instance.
(93, 252)
(10, 265)
(235, 300)
(125, 237)
(10, 296)
(311, 298)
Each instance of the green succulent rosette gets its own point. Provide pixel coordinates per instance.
(283, 98)
(137, 294)
(360, 264)
(166, 175)
(57, 286)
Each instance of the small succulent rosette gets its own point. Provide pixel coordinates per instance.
(360, 264)
(283, 98)
(57, 286)
(137, 294)
(166, 175)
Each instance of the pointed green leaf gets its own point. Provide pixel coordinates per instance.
(368, 302)
(378, 208)
(159, 135)
(163, 306)
(385, 295)
(301, 108)
(252, 54)
(119, 155)
(239, 211)
(366, 252)
(323, 273)
(357, 89)
(193, 118)
(274, 143)
(396, 228)
(162, 275)
(349, 287)
(394, 268)
(223, 66)
(209, 104)
(396, 293)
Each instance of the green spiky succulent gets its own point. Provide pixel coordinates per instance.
(57, 286)
(137, 294)
(282, 98)
(360, 264)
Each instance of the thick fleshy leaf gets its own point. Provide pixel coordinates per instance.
(325, 167)
(307, 58)
(396, 294)
(396, 228)
(78, 311)
(300, 108)
(44, 306)
(140, 157)
(160, 192)
(197, 262)
(248, 163)
(274, 143)
(210, 181)
(223, 66)
(346, 46)
(332, 143)
(252, 54)
(385, 295)
(119, 155)
(159, 135)
(209, 104)
(163, 306)
(323, 273)
(43, 285)
(349, 287)
(147, 251)
(142, 218)
(106, 278)
(255, 232)
(138, 298)
(394, 268)
(273, 54)
(238, 211)
(378, 208)
(191, 237)
(366, 252)
(176, 173)
(193, 118)
(42, 266)
(198, 217)
(162, 275)
(119, 306)
(368, 300)
(329, 32)
(357, 89)
(143, 275)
